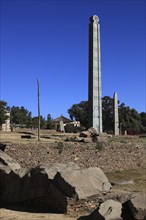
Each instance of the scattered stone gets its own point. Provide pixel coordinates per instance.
(87, 140)
(26, 136)
(84, 134)
(115, 156)
(93, 131)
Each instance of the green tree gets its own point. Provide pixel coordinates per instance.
(49, 122)
(143, 118)
(3, 109)
(35, 122)
(79, 112)
(107, 114)
(42, 122)
(130, 120)
(21, 116)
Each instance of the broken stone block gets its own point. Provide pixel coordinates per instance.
(20, 185)
(87, 140)
(84, 134)
(6, 160)
(111, 209)
(137, 206)
(107, 210)
(93, 131)
(82, 183)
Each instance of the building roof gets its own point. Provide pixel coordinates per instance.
(62, 118)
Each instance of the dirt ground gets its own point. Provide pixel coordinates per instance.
(6, 214)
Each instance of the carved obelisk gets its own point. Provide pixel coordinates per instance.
(116, 115)
(94, 81)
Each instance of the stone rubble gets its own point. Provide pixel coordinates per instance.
(138, 206)
(61, 188)
(112, 157)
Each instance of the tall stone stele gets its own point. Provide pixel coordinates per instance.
(116, 115)
(94, 81)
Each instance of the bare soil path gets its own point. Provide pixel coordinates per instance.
(6, 214)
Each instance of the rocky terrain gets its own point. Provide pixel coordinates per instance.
(110, 156)
(68, 174)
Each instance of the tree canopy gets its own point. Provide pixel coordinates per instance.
(129, 119)
(21, 116)
(107, 114)
(79, 112)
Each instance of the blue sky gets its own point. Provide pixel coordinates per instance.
(49, 40)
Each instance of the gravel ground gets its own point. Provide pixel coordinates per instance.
(110, 156)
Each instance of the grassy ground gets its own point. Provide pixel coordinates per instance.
(131, 180)
(45, 136)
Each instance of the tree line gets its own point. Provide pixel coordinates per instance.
(129, 119)
(20, 116)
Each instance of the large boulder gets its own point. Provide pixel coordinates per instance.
(93, 131)
(52, 168)
(111, 210)
(84, 134)
(52, 186)
(6, 161)
(18, 185)
(90, 134)
(33, 186)
(108, 210)
(74, 182)
(137, 206)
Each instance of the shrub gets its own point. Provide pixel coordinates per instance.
(99, 146)
(60, 147)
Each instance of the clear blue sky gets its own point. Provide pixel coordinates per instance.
(49, 40)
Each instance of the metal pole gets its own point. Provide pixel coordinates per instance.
(38, 109)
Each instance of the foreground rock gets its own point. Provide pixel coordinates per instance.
(74, 182)
(52, 186)
(111, 209)
(137, 206)
(108, 210)
(31, 185)
(60, 188)
(7, 162)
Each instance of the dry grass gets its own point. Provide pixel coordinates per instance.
(131, 180)
(15, 136)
